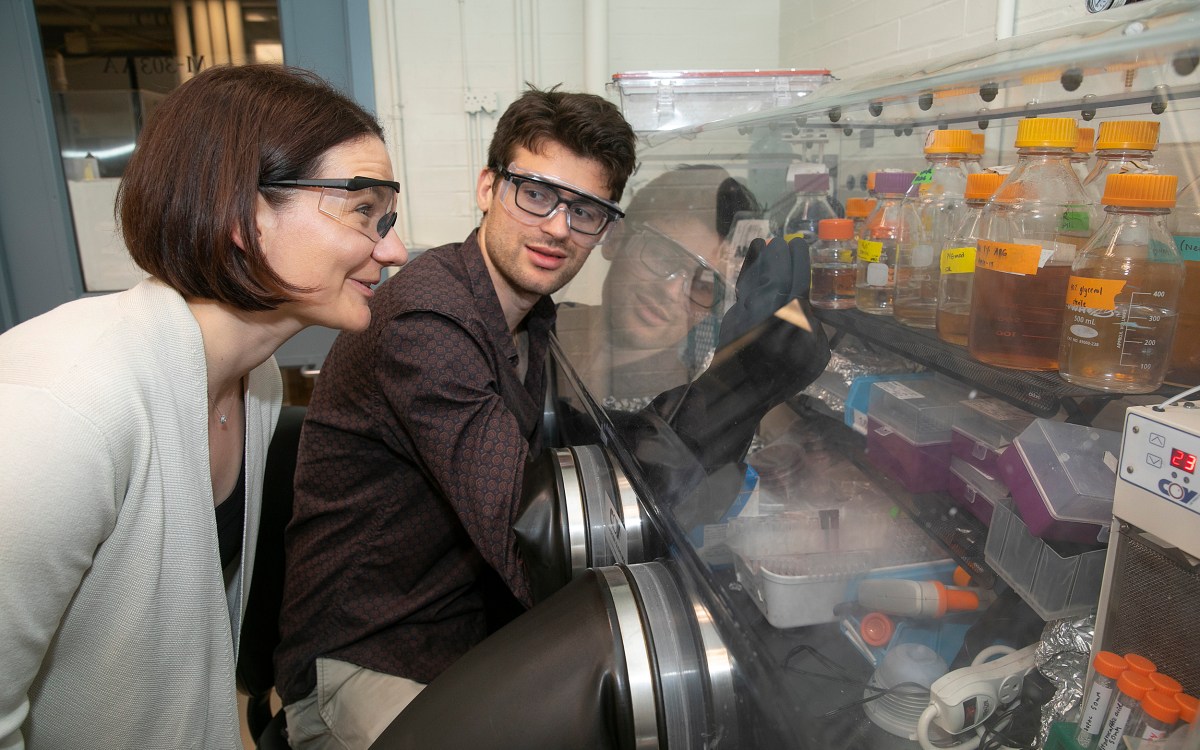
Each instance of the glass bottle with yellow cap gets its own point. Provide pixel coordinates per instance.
(1123, 295)
(1035, 223)
(1122, 146)
(937, 194)
(956, 259)
(1081, 157)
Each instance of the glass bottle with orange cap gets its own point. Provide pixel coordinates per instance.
(1123, 295)
(833, 265)
(937, 194)
(1033, 226)
(1122, 147)
(857, 211)
(1184, 368)
(957, 260)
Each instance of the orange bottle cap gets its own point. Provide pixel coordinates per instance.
(1128, 135)
(835, 229)
(1187, 707)
(977, 143)
(1161, 706)
(1109, 664)
(876, 629)
(859, 208)
(1084, 144)
(948, 142)
(1164, 684)
(961, 576)
(1133, 684)
(981, 185)
(1139, 664)
(870, 182)
(1140, 190)
(1047, 132)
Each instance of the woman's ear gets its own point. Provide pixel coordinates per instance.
(264, 215)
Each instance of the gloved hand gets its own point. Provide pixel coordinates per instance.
(773, 274)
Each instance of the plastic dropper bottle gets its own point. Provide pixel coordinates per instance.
(1123, 295)
(1122, 147)
(937, 195)
(833, 265)
(857, 210)
(957, 259)
(1031, 229)
(1185, 354)
(887, 224)
(1081, 157)
(1107, 667)
(1125, 710)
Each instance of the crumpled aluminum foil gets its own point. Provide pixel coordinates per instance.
(853, 359)
(1062, 656)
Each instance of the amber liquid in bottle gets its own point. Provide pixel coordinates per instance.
(954, 318)
(1016, 320)
(1124, 349)
(1185, 354)
(833, 285)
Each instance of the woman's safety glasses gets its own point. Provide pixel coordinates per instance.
(365, 204)
(666, 259)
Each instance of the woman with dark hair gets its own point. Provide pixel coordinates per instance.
(259, 201)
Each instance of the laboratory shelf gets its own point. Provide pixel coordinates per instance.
(1041, 393)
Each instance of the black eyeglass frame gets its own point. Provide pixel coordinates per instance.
(612, 211)
(349, 184)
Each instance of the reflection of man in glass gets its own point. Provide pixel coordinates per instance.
(664, 291)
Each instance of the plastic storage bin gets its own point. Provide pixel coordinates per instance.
(974, 490)
(1054, 584)
(919, 467)
(859, 397)
(984, 429)
(924, 410)
(1062, 479)
(797, 568)
(653, 100)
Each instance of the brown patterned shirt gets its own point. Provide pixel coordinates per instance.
(409, 476)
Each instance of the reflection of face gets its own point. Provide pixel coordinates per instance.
(645, 310)
(527, 262)
(316, 251)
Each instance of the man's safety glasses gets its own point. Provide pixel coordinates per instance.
(540, 197)
(365, 204)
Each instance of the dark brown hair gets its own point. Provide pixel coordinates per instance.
(585, 124)
(198, 165)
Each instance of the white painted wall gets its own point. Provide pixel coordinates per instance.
(428, 55)
(856, 37)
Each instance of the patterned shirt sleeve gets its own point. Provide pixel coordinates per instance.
(438, 380)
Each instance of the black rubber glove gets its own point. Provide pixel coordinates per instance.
(773, 274)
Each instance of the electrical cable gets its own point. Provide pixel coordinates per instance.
(1176, 397)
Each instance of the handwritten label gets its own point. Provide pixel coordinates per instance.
(958, 260)
(924, 176)
(1074, 221)
(1189, 247)
(1008, 257)
(870, 251)
(1093, 294)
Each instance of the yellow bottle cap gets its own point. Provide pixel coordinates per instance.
(859, 208)
(1048, 132)
(1086, 136)
(1140, 190)
(981, 185)
(948, 142)
(1130, 135)
(977, 143)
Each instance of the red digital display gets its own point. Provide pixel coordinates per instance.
(1183, 461)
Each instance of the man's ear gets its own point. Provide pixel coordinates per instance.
(612, 240)
(485, 188)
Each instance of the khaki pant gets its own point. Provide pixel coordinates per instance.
(348, 709)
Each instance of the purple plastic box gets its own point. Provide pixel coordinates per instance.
(1061, 478)
(920, 468)
(974, 490)
(984, 430)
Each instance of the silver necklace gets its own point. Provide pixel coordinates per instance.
(221, 416)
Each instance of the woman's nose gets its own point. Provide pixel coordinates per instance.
(390, 251)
